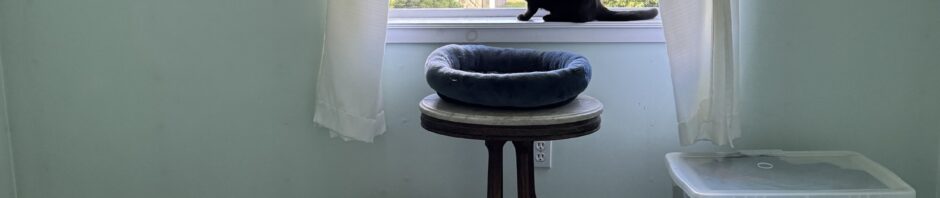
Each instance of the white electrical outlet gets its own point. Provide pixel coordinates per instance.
(542, 154)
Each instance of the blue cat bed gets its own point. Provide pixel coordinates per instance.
(505, 77)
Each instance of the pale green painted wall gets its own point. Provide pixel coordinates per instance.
(7, 184)
(213, 98)
(845, 75)
(935, 37)
(172, 98)
(117, 98)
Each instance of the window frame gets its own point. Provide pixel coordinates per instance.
(498, 25)
(457, 12)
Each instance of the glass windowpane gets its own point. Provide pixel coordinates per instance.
(477, 4)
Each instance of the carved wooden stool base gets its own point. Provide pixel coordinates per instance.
(521, 127)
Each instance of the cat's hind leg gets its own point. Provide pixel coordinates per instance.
(530, 11)
(552, 18)
(564, 18)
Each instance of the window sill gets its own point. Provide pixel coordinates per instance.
(510, 30)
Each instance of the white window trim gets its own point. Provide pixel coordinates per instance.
(501, 26)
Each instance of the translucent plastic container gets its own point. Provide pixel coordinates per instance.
(774, 173)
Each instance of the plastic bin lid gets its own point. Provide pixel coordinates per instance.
(774, 173)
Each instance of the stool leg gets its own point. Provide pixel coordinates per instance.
(525, 175)
(494, 183)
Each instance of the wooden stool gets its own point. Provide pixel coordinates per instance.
(522, 127)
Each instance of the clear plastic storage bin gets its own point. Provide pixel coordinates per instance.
(808, 174)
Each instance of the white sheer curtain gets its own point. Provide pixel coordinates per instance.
(349, 91)
(702, 42)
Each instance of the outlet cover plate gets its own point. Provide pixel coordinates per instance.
(542, 154)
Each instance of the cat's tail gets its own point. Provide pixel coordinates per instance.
(631, 15)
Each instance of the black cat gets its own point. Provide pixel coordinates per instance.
(581, 11)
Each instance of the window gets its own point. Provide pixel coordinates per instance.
(484, 4)
(494, 21)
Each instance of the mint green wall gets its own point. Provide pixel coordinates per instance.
(214, 98)
(935, 37)
(172, 98)
(7, 184)
(136, 98)
(845, 75)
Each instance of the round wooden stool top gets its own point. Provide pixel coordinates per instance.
(578, 118)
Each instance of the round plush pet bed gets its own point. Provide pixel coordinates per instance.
(506, 77)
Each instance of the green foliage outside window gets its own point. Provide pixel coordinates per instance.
(631, 3)
(424, 4)
(515, 4)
